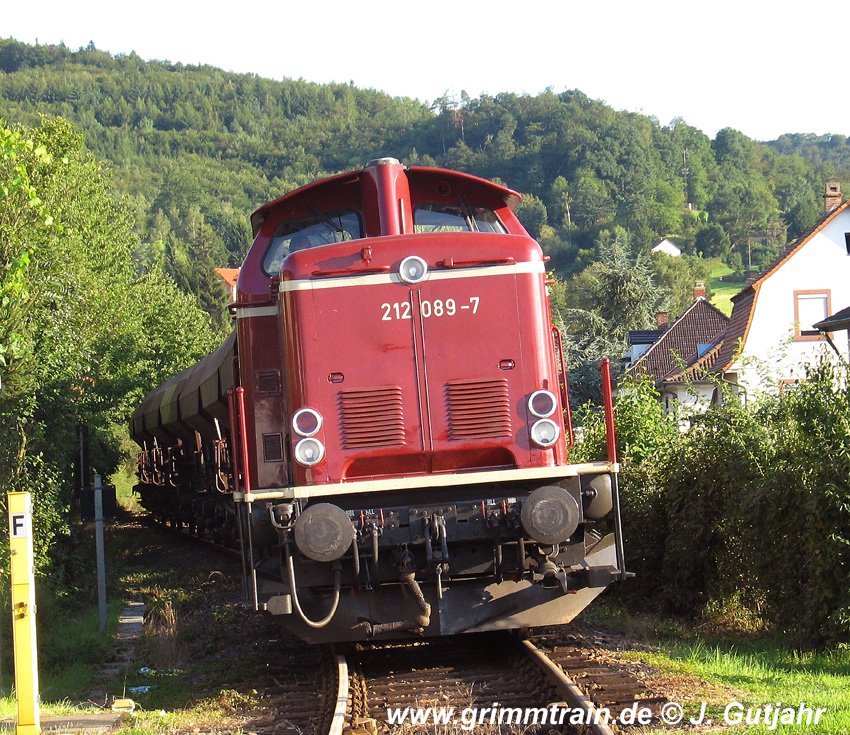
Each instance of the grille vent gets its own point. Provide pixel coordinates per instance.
(371, 417)
(478, 409)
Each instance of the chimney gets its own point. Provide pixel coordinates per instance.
(832, 195)
(662, 319)
(699, 290)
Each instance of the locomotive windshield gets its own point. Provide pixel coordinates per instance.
(438, 217)
(324, 228)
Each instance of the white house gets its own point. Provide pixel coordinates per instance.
(771, 334)
(667, 247)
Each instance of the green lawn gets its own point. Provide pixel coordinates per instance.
(70, 651)
(748, 669)
(764, 675)
(724, 285)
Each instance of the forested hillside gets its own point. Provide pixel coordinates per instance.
(831, 151)
(196, 149)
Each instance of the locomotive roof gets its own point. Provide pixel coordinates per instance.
(510, 197)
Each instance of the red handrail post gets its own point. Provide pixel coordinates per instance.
(564, 385)
(234, 439)
(243, 431)
(238, 435)
(608, 406)
(611, 442)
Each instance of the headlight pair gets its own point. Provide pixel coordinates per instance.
(544, 432)
(306, 423)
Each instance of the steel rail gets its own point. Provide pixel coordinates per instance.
(596, 722)
(338, 720)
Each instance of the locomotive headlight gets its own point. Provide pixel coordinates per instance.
(542, 404)
(309, 452)
(412, 269)
(306, 422)
(545, 433)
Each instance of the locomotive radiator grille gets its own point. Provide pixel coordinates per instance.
(371, 417)
(478, 409)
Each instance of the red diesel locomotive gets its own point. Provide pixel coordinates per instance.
(385, 437)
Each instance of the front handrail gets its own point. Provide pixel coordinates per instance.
(608, 406)
(611, 441)
(481, 262)
(343, 272)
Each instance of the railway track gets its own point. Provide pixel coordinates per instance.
(457, 675)
(486, 679)
(485, 683)
(611, 685)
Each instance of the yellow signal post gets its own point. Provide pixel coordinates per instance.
(23, 613)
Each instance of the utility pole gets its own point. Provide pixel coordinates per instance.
(101, 562)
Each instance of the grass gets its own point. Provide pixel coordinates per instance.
(124, 480)
(724, 285)
(764, 674)
(754, 670)
(193, 653)
(199, 663)
(70, 650)
(59, 708)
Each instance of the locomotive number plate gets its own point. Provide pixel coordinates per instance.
(427, 309)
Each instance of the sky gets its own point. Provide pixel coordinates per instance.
(764, 68)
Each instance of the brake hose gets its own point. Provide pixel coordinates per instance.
(334, 605)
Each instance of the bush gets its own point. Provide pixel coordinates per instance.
(750, 504)
(801, 512)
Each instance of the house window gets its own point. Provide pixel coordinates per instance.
(810, 307)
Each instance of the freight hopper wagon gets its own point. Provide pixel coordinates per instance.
(386, 439)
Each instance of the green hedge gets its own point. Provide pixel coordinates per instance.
(750, 504)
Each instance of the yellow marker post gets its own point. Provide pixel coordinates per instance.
(23, 613)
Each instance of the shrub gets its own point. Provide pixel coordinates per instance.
(750, 504)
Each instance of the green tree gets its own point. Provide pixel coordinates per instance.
(559, 203)
(77, 340)
(591, 204)
(532, 213)
(676, 277)
(597, 307)
(712, 241)
(620, 286)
